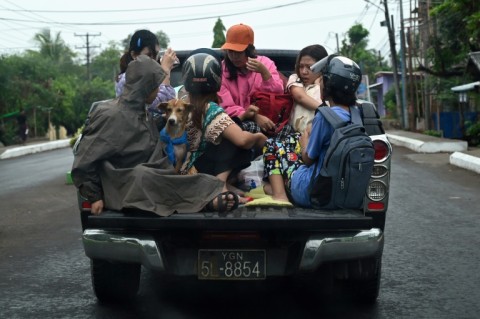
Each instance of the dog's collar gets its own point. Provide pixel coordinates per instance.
(169, 142)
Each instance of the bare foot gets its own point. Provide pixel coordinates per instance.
(267, 188)
(281, 198)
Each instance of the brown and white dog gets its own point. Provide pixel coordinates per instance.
(173, 135)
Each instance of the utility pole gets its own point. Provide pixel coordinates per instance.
(391, 37)
(88, 46)
(404, 71)
(413, 79)
(338, 47)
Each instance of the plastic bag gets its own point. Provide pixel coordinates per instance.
(252, 176)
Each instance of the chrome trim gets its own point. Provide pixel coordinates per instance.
(352, 245)
(142, 249)
(384, 139)
(123, 247)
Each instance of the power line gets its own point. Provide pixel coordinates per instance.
(127, 10)
(166, 21)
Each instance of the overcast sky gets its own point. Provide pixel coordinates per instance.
(280, 24)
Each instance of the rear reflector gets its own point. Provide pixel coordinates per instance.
(376, 206)
(86, 205)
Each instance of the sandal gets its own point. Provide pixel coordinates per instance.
(222, 202)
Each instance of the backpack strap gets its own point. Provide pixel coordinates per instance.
(336, 121)
(331, 117)
(355, 115)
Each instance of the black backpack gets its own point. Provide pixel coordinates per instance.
(347, 166)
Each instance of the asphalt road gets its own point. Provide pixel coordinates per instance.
(430, 263)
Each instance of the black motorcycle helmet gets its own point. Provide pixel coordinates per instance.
(202, 74)
(341, 75)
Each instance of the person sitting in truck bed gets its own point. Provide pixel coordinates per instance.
(146, 42)
(243, 74)
(218, 146)
(290, 163)
(119, 161)
(305, 87)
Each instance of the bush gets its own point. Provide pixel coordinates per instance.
(473, 133)
(433, 133)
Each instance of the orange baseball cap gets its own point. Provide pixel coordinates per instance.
(239, 36)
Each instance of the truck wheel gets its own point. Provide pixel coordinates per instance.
(114, 281)
(363, 284)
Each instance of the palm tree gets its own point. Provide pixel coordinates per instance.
(54, 48)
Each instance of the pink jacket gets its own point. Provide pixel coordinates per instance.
(235, 95)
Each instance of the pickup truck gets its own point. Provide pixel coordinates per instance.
(250, 243)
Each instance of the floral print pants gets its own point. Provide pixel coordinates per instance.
(282, 157)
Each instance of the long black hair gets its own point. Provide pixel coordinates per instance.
(139, 40)
(232, 69)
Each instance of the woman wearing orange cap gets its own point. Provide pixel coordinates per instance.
(243, 74)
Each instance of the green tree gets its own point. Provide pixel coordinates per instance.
(163, 39)
(73, 99)
(106, 64)
(218, 34)
(456, 32)
(49, 84)
(53, 47)
(28, 86)
(356, 49)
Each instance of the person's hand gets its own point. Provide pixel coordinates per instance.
(250, 112)
(261, 139)
(97, 207)
(168, 59)
(305, 137)
(256, 66)
(264, 123)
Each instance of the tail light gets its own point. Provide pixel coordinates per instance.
(83, 203)
(377, 190)
(382, 150)
(376, 199)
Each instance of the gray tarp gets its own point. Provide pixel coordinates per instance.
(120, 160)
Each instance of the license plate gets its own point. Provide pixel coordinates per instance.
(220, 264)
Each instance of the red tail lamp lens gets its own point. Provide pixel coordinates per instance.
(86, 205)
(376, 206)
(381, 150)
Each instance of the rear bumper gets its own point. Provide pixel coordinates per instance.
(357, 245)
(319, 249)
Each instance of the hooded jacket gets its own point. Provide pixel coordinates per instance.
(119, 158)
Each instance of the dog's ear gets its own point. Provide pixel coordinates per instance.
(163, 106)
(189, 107)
